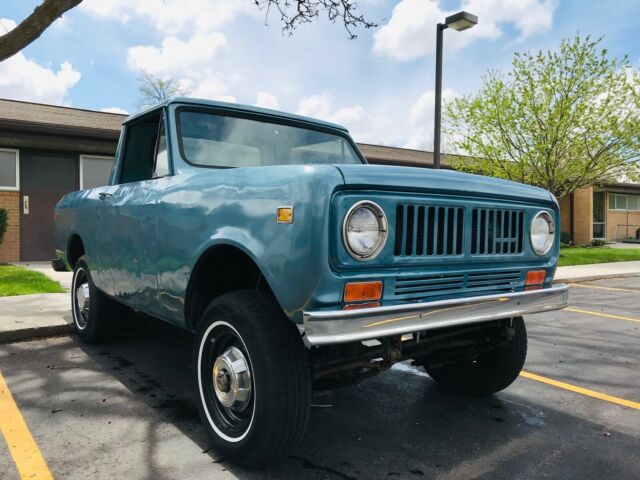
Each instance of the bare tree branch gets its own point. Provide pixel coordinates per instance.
(294, 13)
(33, 26)
(154, 90)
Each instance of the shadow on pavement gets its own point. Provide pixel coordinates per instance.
(397, 425)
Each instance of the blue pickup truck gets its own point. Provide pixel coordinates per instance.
(298, 266)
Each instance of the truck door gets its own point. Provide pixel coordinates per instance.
(128, 217)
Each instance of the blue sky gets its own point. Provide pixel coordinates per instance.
(379, 85)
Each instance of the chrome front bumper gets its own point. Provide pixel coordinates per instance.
(340, 326)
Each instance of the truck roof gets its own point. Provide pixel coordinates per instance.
(236, 107)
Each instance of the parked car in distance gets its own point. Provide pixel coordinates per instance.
(298, 266)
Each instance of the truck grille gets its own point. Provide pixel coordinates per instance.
(429, 231)
(439, 231)
(426, 286)
(496, 231)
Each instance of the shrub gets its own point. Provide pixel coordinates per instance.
(598, 243)
(4, 216)
(638, 234)
(565, 238)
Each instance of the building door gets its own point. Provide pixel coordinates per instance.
(44, 178)
(599, 212)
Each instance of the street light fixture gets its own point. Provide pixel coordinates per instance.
(458, 21)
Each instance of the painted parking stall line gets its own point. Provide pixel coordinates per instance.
(23, 448)
(598, 287)
(601, 314)
(581, 390)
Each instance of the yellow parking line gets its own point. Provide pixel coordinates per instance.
(600, 314)
(615, 289)
(580, 390)
(23, 448)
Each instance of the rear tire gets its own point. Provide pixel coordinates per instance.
(94, 314)
(489, 373)
(252, 378)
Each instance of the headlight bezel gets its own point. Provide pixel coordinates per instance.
(552, 233)
(383, 228)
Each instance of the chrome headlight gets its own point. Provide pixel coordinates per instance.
(364, 231)
(543, 233)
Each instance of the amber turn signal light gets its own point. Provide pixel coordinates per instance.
(362, 291)
(535, 277)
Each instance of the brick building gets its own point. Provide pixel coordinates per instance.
(47, 151)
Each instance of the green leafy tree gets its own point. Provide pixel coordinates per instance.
(560, 120)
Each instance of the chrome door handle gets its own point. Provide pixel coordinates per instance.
(104, 195)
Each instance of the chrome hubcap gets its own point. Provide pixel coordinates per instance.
(232, 379)
(82, 296)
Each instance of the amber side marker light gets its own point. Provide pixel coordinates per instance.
(362, 291)
(535, 279)
(285, 215)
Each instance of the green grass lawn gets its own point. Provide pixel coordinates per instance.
(20, 281)
(586, 255)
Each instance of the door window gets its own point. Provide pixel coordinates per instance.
(161, 167)
(142, 143)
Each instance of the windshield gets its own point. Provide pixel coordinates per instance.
(212, 140)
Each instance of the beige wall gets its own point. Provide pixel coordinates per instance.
(583, 216)
(616, 217)
(10, 247)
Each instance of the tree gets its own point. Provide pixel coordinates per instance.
(292, 13)
(560, 120)
(155, 89)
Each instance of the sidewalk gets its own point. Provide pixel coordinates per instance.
(597, 271)
(33, 316)
(41, 315)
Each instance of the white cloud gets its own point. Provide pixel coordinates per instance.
(171, 16)
(119, 110)
(410, 33)
(24, 79)
(421, 120)
(191, 62)
(317, 106)
(176, 57)
(267, 100)
(355, 117)
(209, 87)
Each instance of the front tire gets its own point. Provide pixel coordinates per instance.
(94, 314)
(252, 378)
(489, 373)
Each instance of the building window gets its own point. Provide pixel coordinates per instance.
(94, 171)
(628, 203)
(9, 169)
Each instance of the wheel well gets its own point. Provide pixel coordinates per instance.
(75, 249)
(219, 270)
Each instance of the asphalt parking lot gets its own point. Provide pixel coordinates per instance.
(124, 409)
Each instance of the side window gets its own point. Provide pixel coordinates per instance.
(140, 148)
(162, 158)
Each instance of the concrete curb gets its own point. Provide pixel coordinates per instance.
(591, 278)
(35, 333)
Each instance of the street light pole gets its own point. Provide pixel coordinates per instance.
(459, 21)
(438, 105)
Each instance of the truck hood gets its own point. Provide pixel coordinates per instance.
(415, 179)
